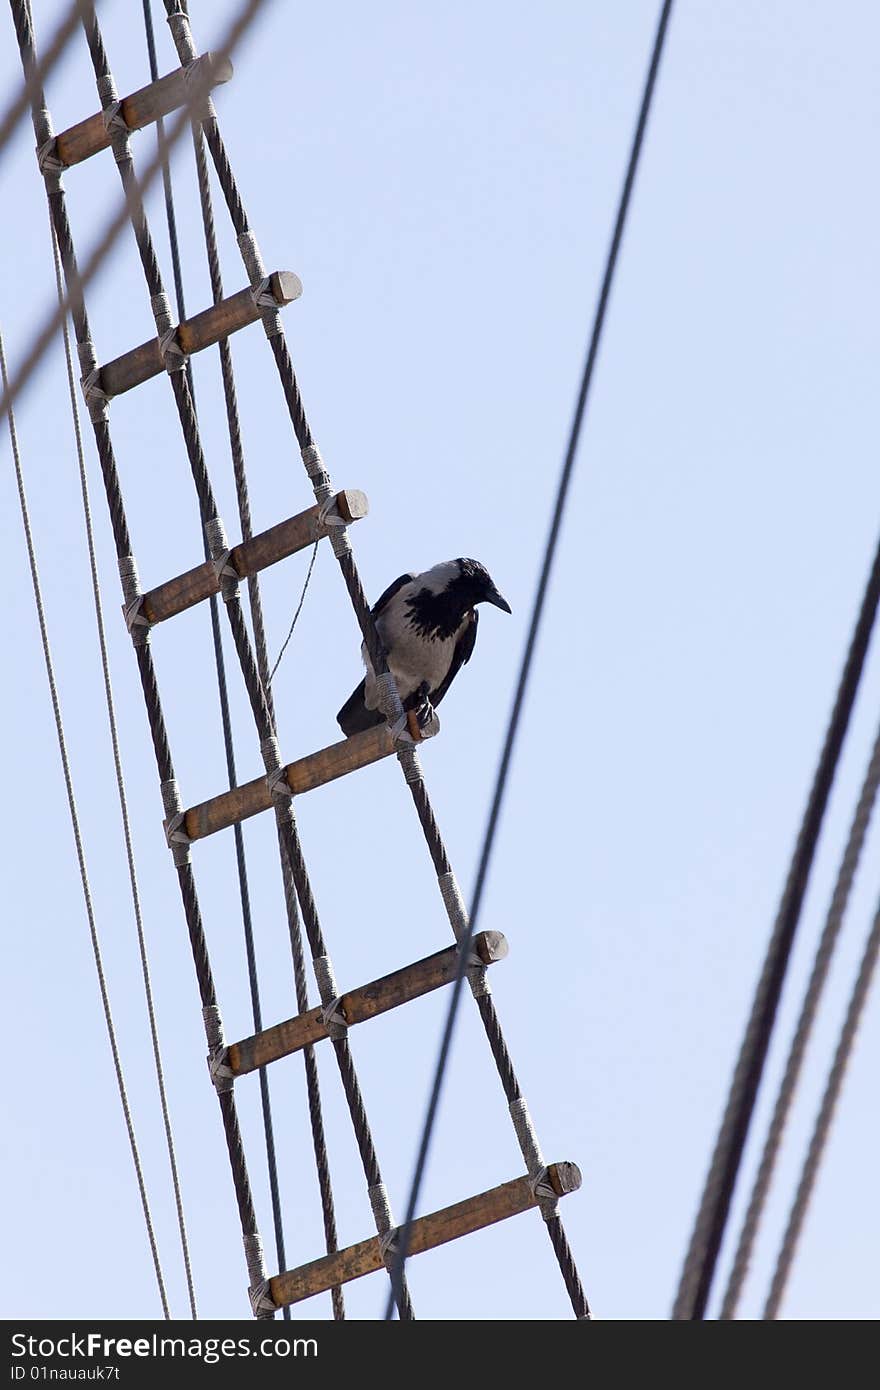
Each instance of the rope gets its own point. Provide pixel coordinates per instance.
(487, 1009)
(316, 1118)
(45, 335)
(241, 862)
(183, 399)
(299, 608)
(80, 852)
(75, 282)
(824, 1120)
(828, 941)
(123, 798)
(709, 1226)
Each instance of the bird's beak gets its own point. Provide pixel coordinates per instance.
(499, 600)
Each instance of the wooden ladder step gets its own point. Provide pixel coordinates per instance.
(251, 556)
(426, 1233)
(360, 1004)
(304, 775)
(237, 311)
(144, 106)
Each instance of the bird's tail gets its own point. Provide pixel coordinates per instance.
(354, 717)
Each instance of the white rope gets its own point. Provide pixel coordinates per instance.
(120, 783)
(74, 821)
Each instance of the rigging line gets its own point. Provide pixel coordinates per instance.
(285, 820)
(33, 82)
(824, 1120)
(80, 852)
(711, 1220)
(219, 661)
(812, 998)
(299, 607)
(120, 787)
(196, 93)
(534, 624)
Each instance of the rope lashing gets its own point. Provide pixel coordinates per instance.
(219, 550)
(174, 359)
(458, 920)
(133, 606)
(262, 1303)
(388, 1232)
(218, 1055)
(534, 1158)
(114, 121)
(48, 160)
(332, 1016)
(96, 398)
(176, 838)
(388, 1243)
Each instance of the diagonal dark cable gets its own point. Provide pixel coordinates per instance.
(846, 875)
(709, 1227)
(531, 639)
(822, 1127)
(241, 862)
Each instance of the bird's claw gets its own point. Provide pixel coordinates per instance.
(424, 710)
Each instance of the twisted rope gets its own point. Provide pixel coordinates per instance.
(208, 509)
(75, 282)
(121, 792)
(241, 862)
(812, 998)
(824, 1120)
(80, 851)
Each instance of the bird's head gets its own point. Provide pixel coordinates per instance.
(475, 585)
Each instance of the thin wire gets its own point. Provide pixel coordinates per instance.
(812, 998)
(77, 835)
(120, 786)
(299, 607)
(196, 93)
(226, 721)
(531, 639)
(823, 1120)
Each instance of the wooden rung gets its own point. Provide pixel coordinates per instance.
(141, 108)
(426, 1233)
(186, 590)
(302, 776)
(360, 1004)
(144, 362)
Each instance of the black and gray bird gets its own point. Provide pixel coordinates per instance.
(428, 626)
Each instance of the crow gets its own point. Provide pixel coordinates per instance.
(428, 626)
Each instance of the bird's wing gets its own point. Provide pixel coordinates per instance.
(461, 654)
(384, 599)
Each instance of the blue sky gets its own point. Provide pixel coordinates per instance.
(443, 179)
